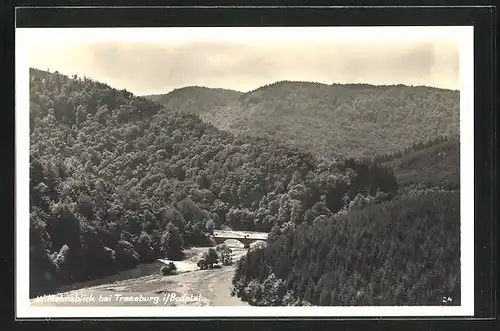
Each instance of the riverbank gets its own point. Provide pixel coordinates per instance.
(189, 287)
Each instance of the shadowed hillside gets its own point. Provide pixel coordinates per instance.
(403, 252)
(433, 166)
(352, 120)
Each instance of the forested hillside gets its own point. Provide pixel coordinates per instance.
(437, 165)
(403, 252)
(116, 180)
(195, 99)
(352, 120)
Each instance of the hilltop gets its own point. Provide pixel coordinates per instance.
(340, 120)
(195, 99)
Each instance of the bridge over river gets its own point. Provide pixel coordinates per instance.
(245, 237)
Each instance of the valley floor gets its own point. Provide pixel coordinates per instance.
(213, 286)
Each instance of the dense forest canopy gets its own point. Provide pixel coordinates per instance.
(402, 252)
(116, 180)
(339, 120)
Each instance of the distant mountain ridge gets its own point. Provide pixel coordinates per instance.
(195, 99)
(354, 120)
(355, 85)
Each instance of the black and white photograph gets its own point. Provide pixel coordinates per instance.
(245, 171)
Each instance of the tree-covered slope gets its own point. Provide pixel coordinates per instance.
(195, 99)
(116, 180)
(403, 252)
(352, 120)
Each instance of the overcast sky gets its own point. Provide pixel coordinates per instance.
(158, 60)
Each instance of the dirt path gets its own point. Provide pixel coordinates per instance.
(215, 286)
